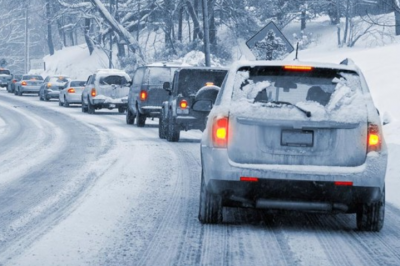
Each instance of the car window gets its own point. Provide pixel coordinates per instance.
(5, 71)
(137, 79)
(159, 75)
(268, 84)
(191, 80)
(113, 80)
(77, 83)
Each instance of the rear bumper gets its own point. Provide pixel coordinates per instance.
(30, 89)
(110, 103)
(294, 182)
(52, 94)
(190, 122)
(150, 110)
(73, 98)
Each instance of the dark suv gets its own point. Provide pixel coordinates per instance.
(146, 94)
(188, 86)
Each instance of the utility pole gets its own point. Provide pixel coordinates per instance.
(26, 68)
(138, 22)
(110, 65)
(206, 33)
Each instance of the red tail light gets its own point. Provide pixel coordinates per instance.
(143, 95)
(14, 80)
(23, 83)
(72, 90)
(298, 68)
(343, 183)
(248, 179)
(374, 138)
(183, 104)
(93, 92)
(220, 132)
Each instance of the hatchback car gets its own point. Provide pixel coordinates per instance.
(28, 84)
(303, 137)
(52, 86)
(106, 88)
(72, 93)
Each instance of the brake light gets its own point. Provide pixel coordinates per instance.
(14, 80)
(23, 83)
(343, 183)
(298, 68)
(93, 92)
(209, 84)
(248, 179)
(143, 95)
(48, 85)
(72, 90)
(183, 104)
(220, 132)
(374, 140)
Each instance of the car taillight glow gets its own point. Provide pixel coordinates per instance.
(220, 132)
(14, 80)
(71, 90)
(374, 140)
(48, 85)
(298, 68)
(93, 92)
(343, 183)
(248, 179)
(183, 104)
(23, 83)
(143, 95)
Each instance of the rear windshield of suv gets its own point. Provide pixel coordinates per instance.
(32, 77)
(159, 75)
(77, 83)
(191, 80)
(113, 80)
(5, 71)
(318, 90)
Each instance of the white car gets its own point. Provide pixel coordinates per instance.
(303, 136)
(72, 93)
(107, 88)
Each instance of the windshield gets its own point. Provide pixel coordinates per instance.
(5, 71)
(275, 84)
(159, 75)
(77, 83)
(191, 80)
(58, 79)
(32, 77)
(114, 79)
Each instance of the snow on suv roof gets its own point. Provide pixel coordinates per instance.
(106, 70)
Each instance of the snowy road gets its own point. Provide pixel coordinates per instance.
(79, 189)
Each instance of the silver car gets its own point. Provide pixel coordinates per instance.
(52, 86)
(28, 84)
(72, 93)
(303, 137)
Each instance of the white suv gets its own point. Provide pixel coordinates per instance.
(107, 88)
(301, 136)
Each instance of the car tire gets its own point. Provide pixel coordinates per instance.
(20, 93)
(40, 97)
(90, 108)
(84, 107)
(173, 131)
(66, 103)
(162, 125)
(15, 91)
(370, 216)
(210, 206)
(140, 120)
(130, 118)
(60, 103)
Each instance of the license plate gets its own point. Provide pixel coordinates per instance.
(112, 105)
(297, 138)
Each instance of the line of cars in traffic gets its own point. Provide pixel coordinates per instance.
(276, 136)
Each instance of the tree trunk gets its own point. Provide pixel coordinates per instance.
(303, 20)
(346, 26)
(88, 40)
(397, 20)
(180, 23)
(212, 27)
(49, 33)
(197, 33)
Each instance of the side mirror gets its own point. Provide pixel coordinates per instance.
(202, 106)
(167, 86)
(130, 83)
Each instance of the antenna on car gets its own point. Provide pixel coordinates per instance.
(297, 51)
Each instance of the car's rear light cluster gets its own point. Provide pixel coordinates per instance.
(183, 104)
(298, 68)
(248, 179)
(93, 92)
(143, 95)
(71, 90)
(23, 83)
(220, 132)
(374, 138)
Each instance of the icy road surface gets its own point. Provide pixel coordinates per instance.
(79, 189)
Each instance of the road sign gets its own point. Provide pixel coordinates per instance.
(269, 43)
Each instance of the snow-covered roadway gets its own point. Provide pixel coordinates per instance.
(79, 189)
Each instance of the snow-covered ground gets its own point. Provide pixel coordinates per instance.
(79, 189)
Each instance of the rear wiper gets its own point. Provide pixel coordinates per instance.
(308, 113)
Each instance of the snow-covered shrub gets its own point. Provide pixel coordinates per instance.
(305, 39)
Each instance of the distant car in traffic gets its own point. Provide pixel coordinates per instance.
(11, 85)
(51, 87)
(106, 88)
(146, 94)
(5, 77)
(177, 112)
(72, 93)
(295, 136)
(28, 84)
